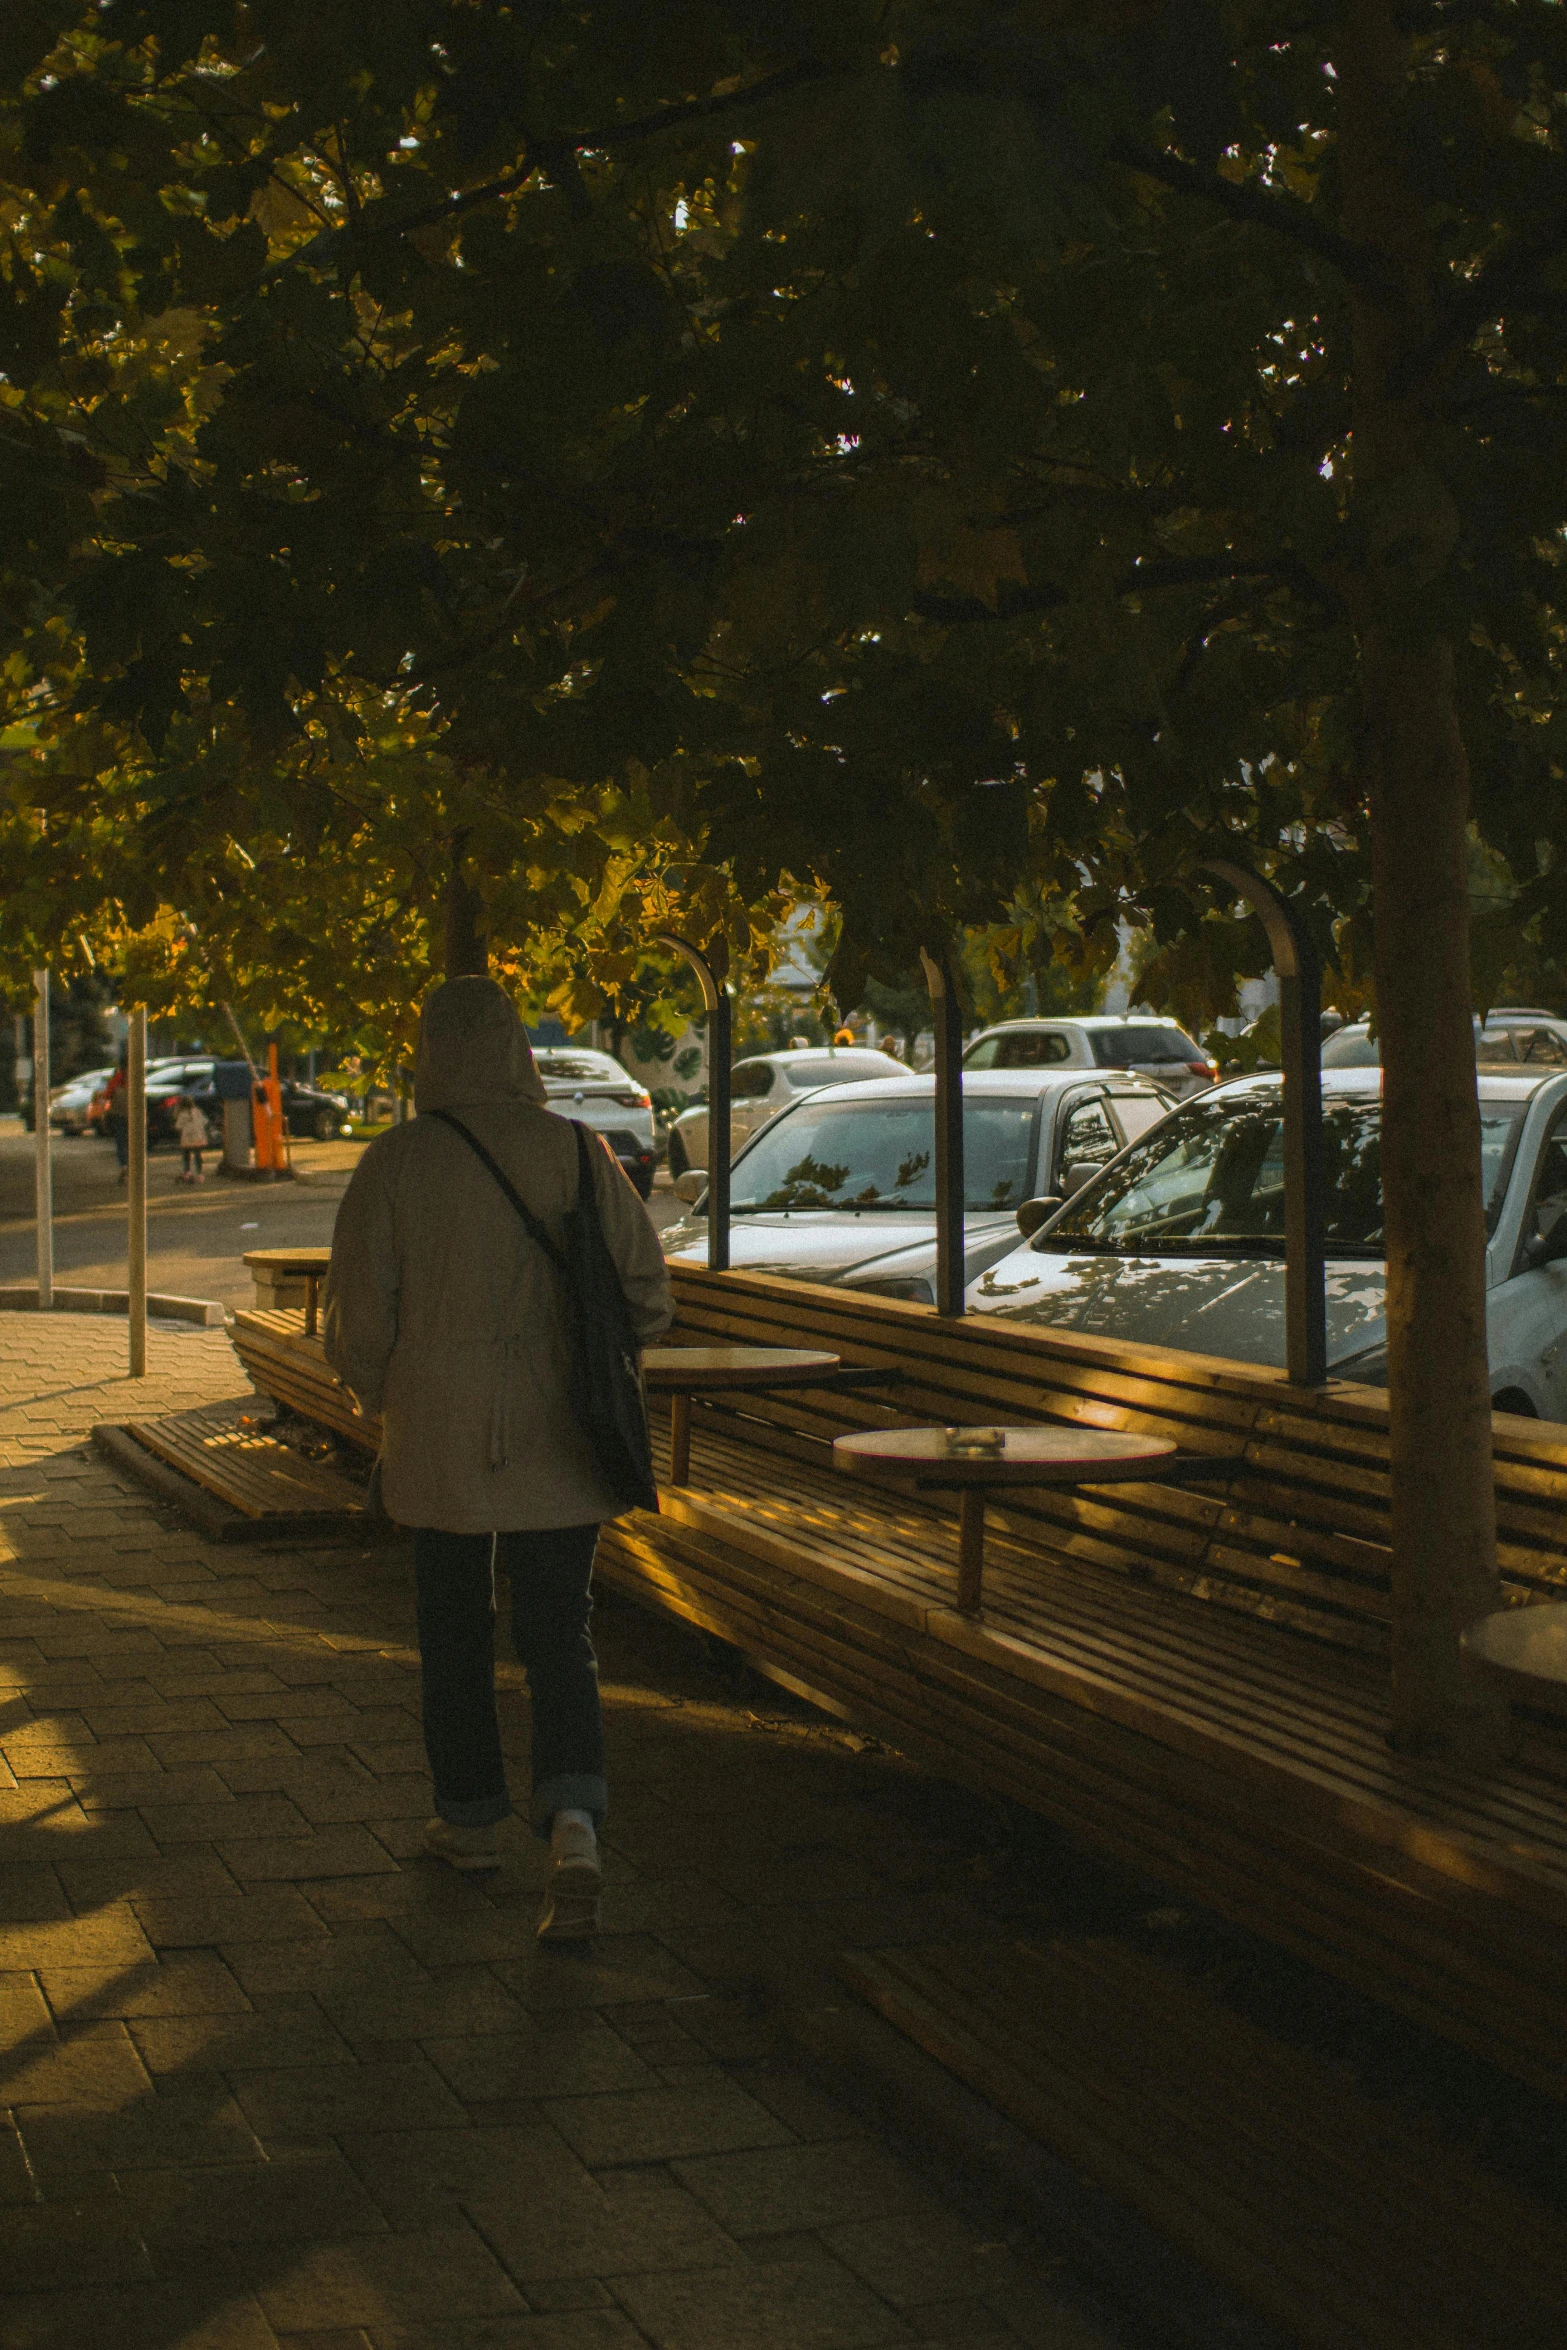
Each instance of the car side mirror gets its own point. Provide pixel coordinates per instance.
(1076, 1173)
(691, 1186)
(1547, 1247)
(1035, 1212)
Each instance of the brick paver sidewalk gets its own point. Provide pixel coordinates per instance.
(267, 2075)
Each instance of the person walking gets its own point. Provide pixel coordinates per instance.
(190, 1129)
(446, 1318)
(117, 1113)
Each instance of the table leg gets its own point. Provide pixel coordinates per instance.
(312, 1301)
(679, 1439)
(971, 1548)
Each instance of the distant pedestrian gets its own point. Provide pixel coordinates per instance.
(190, 1127)
(117, 1112)
(447, 1317)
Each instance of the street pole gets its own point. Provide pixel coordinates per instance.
(947, 1018)
(1305, 1166)
(716, 998)
(136, 1186)
(43, 1167)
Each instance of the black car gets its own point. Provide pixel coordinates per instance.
(306, 1110)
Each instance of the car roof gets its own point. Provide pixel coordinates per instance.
(1086, 1020)
(1346, 1083)
(994, 1083)
(818, 1052)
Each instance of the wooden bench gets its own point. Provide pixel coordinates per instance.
(1190, 1676)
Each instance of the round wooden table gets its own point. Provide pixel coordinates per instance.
(299, 1264)
(1523, 1651)
(683, 1371)
(927, 1458)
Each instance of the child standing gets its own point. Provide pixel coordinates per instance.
(190, 1126)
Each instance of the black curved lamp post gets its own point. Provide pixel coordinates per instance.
(947, 1020)
(719, 1005)
(1305, 1172)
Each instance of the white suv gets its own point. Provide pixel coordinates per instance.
(1143, 1045)
(596, 1091)
(767, 1083)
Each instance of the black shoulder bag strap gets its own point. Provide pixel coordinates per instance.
(535, 1230)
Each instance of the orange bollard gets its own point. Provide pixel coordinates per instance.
(274, 1093)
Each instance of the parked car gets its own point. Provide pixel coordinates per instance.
(769, 1082)
(594, 1089)
(841, 1186)
(69, 1103)
(1142, 1045)
(1505, 1039)
(307, 1111)
(1180, 1241)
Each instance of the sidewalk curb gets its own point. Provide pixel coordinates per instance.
(856, 2054)
(205, 1312)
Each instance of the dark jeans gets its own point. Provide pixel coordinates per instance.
(550, 1574)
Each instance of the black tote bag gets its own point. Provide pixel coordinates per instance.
(606, 1385)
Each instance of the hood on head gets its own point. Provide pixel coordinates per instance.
(473, 1048)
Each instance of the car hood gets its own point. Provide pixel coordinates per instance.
(1212, 1305)
(825, 1244)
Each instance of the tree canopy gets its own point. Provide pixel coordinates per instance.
(909, 450)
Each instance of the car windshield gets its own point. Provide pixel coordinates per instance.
(835, 1069)
(575, 1068)
(1141, 1042)
(873, 1155)
(1210, 1182)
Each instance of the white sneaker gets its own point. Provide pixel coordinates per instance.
(571, 1899)
(465, 1848)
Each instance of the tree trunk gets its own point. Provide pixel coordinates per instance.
(467, 948)
(1417, 791)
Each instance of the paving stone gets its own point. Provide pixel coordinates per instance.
(237, 2043)
(580, 2056)
(128, 1790)
(612, 1971)
(657, 2125)
(95, 2065)
(229, 1815)
(356, 1961)
(447, 2273)
(573, 2227)
(346, 1851)
(182, 1983)
(297, 2200)
(774, 2187)
(418, 2177)
(460, 2000)
(188, 2315)
(82, 2240)
(802, 2305)
(281, 1915)
(186, 1874)
(220, 1746)
(288, 2107)
(17, 2184)
(32, 1895)
(112, 1933)
(24, 2013)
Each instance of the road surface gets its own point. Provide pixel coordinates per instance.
(196, 1238)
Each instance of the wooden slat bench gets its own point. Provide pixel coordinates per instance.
(1190, 1676)
(234, 1481)
(1347, 2226)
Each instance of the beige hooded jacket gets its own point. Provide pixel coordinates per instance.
(443, 1316)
